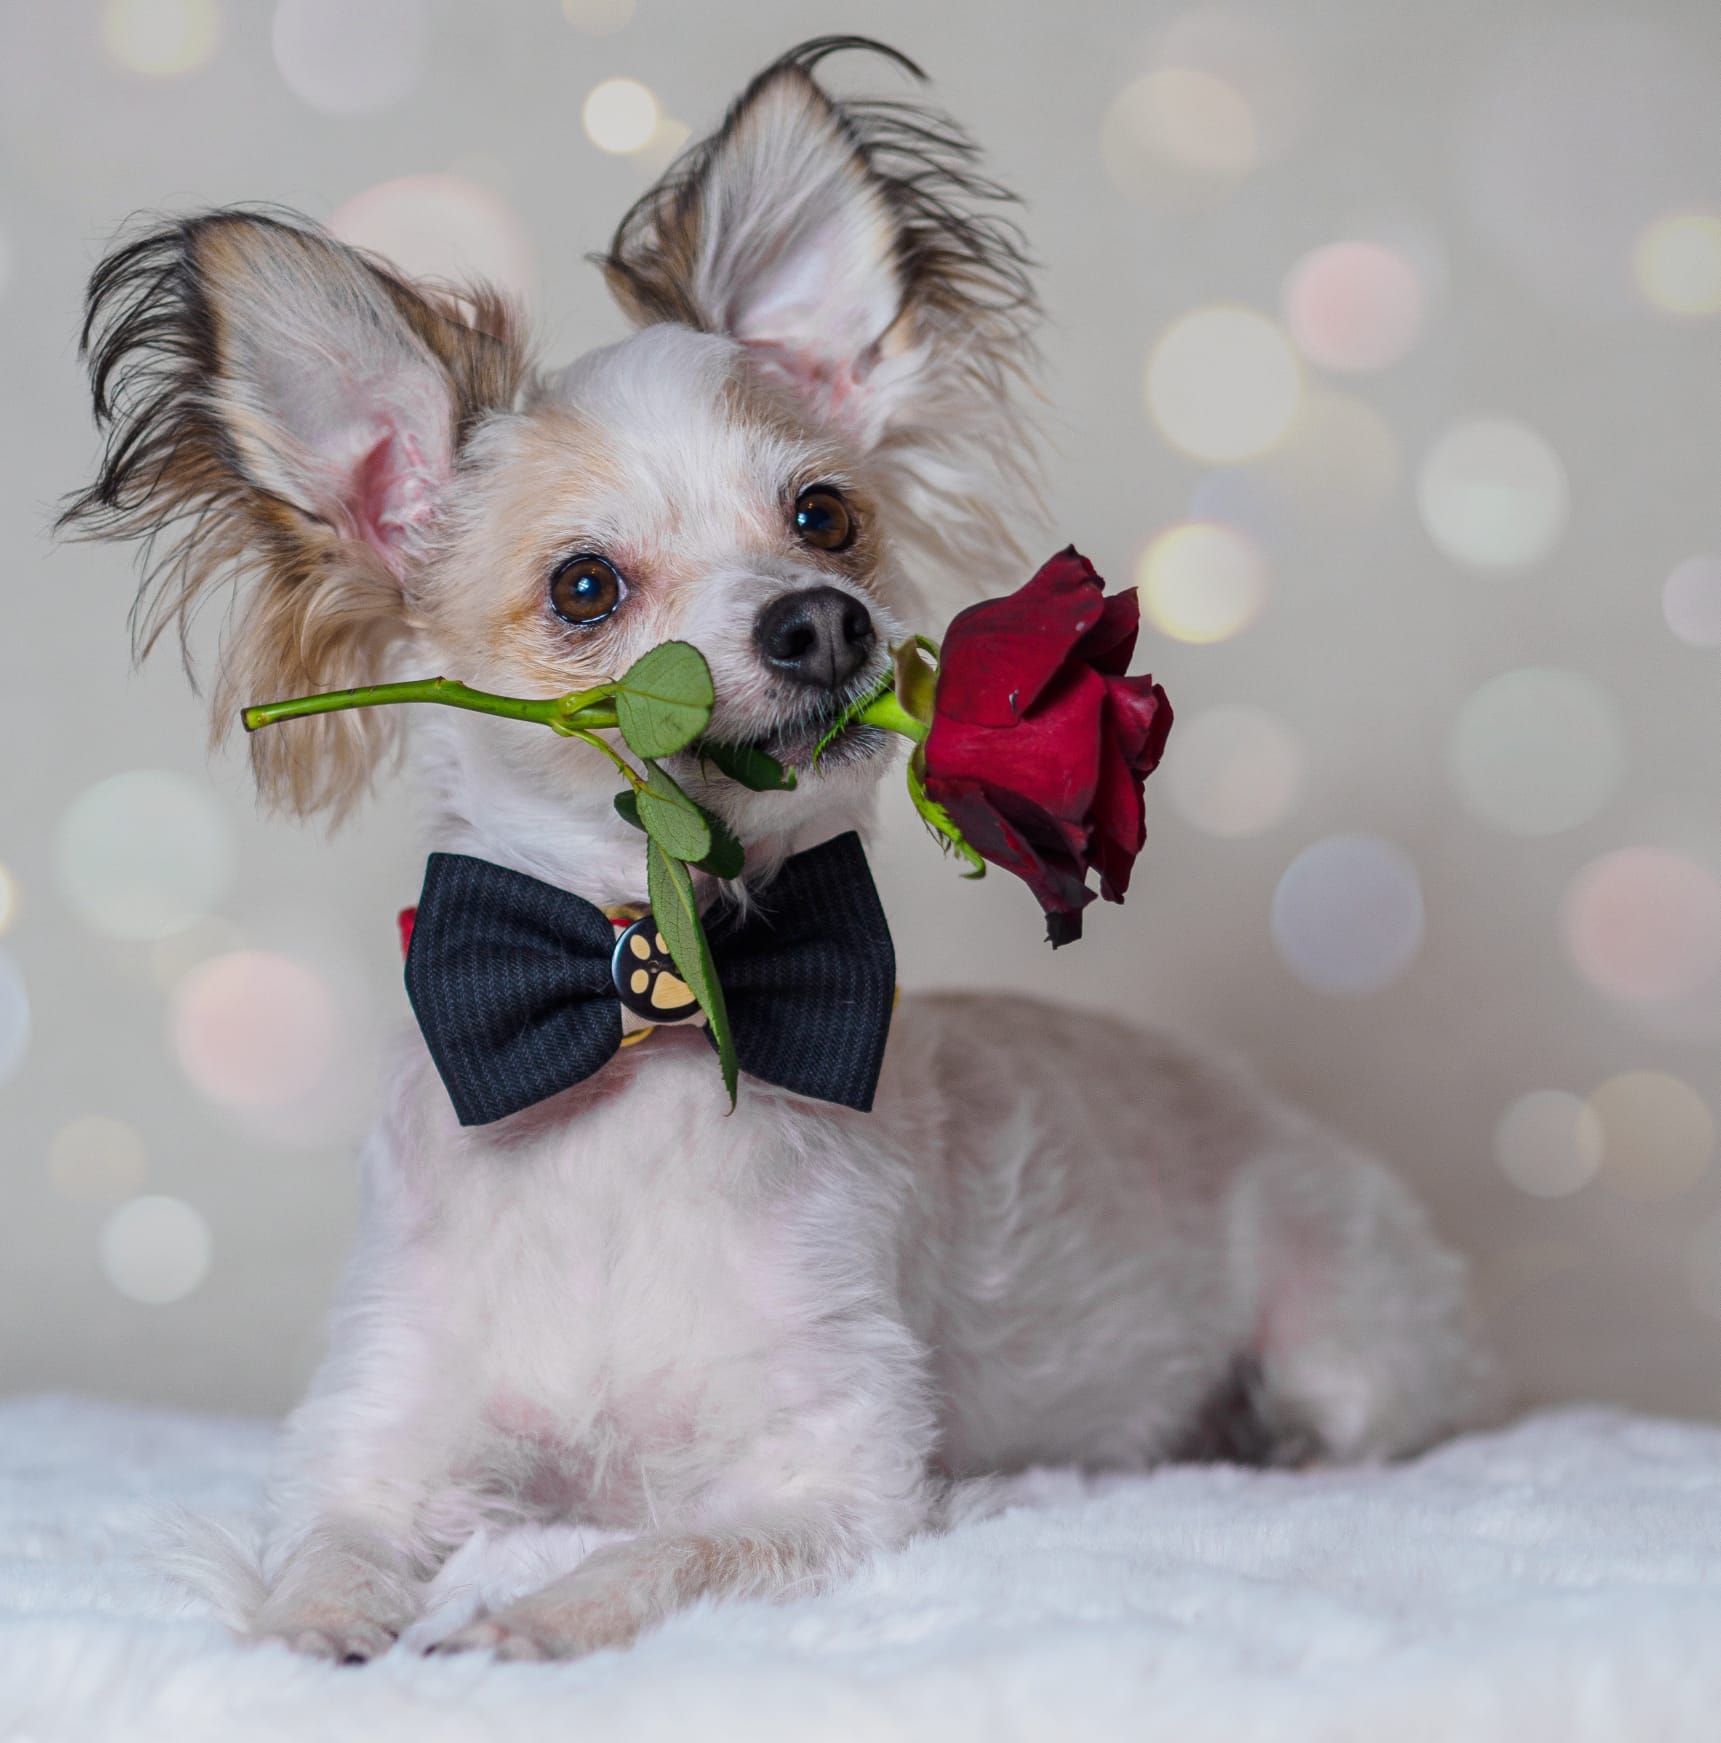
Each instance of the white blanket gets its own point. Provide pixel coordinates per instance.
(1559, 1580)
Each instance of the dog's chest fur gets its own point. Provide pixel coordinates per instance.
(643, 1295)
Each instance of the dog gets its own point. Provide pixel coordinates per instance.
(768, 1345)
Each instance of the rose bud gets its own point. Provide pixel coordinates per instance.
(1039, 743)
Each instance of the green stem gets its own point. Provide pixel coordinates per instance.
(583, 709)
(886, 712)
(634, 778)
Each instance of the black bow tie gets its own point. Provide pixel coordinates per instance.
(519, 986)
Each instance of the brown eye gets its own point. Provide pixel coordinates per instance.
(823, 519)
(585, 590)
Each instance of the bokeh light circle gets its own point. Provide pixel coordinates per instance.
(255, 1030)
(1643, 924)
(144, 853)
(598, 17)
(155, 1250)
(1237, 772)
(1657, 1135)
(1493, 495)
(1238, 45)
(1347, 915)
(1549, 1143)
(1537, 750)
(350, 57)
(1182, 117)
(161, 39)
(1202, 582)
(14, 1016)
(443, 227)
(1353, 306)
(1339, 462)
(9, 900)
(1691, 601)
(1223, 384)
(97, 1159)
(620, 115)
(1677, 264)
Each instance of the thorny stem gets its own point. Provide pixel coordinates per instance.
(634, 778)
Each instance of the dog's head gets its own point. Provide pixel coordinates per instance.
(811, 422)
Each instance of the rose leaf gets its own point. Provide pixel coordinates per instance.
(750, 766)
(673, 908)
(671, 819)
(663, 700)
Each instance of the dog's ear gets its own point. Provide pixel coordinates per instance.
(855, 248)
(281, 409)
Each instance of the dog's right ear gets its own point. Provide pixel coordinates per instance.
(282, 409)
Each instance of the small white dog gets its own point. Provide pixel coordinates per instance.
(765, 1344)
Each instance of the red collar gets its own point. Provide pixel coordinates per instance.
(404, 919)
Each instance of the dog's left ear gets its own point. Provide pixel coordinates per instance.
(859, 254)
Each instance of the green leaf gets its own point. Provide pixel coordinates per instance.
(727, 857)
(751, 767)
(938, 820)
(670, 888)
(916, 678)
(672, 819)
(663, 700)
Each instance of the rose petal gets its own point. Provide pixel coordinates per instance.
(1107, 647)
(1051, 758)
(1120, 821)
(1044, 853)
(1138, 715)
(998, 656)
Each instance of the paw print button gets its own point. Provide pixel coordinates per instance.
(645, 978)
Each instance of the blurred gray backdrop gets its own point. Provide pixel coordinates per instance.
(1384, 354)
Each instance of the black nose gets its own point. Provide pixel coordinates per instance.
(819, 636)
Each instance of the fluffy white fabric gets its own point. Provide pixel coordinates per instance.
(1558, 1580)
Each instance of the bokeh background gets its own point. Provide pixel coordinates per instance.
(1384, 352)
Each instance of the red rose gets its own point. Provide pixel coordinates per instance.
(1039, 743)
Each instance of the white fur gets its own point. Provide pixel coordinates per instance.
(763, 1345)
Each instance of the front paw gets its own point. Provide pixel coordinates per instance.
(343, 1637)
(529, 1632)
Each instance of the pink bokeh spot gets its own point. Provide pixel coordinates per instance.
(1644, 925)
(1353, 306)
(255, 1030)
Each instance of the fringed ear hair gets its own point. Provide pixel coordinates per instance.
(281, 410)
(860, 254)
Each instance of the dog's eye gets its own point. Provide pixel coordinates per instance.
(585, 590)
(823, 519)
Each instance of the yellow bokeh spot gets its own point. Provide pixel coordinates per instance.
(1677, 264)
(162, 39)
(620, 115)
(1202, 582)
(1657, 1134)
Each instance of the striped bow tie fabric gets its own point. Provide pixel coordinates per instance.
(519, 986)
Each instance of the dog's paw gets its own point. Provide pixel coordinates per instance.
(528, 1632)
(351, 1639)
